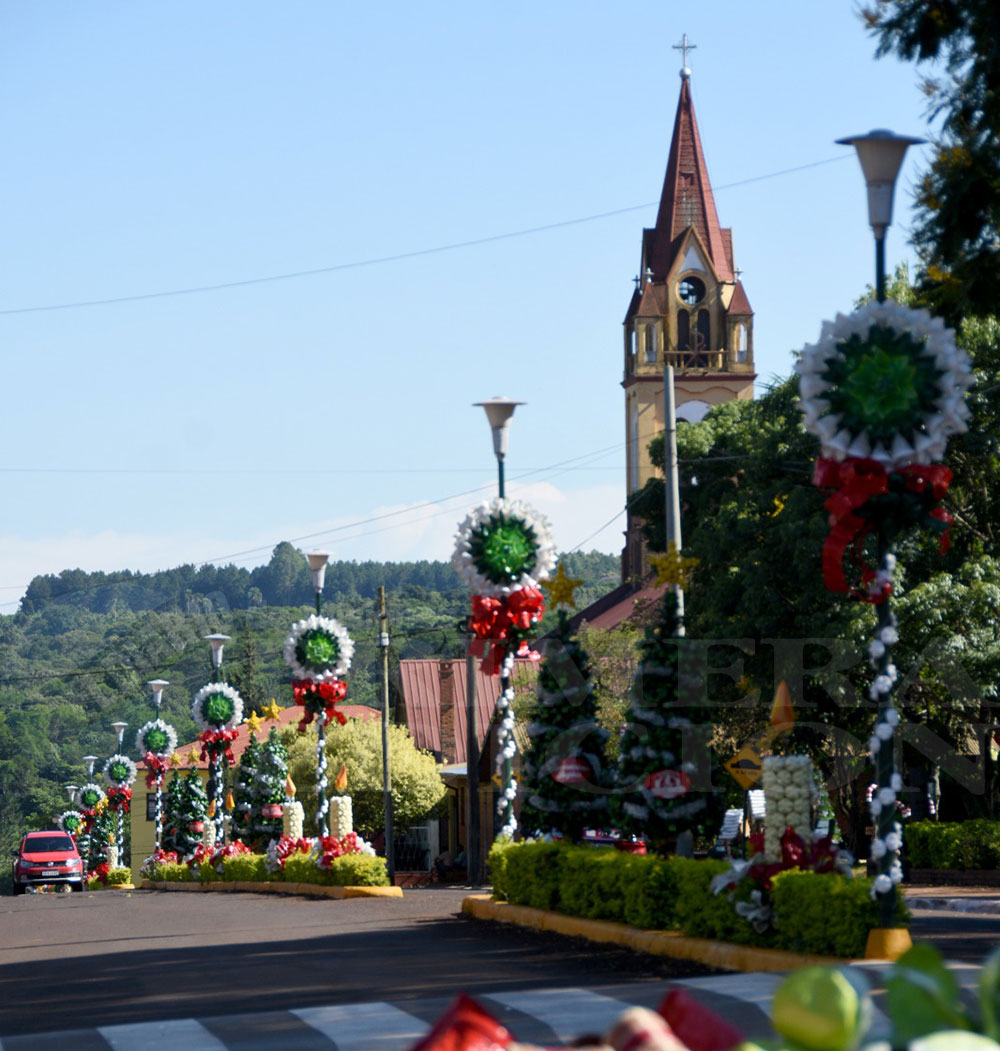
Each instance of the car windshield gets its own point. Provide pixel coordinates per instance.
(48, 845)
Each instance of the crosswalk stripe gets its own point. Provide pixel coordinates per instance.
(161, 1036)
(376, 1026)
(567, 1012)
(751, 988)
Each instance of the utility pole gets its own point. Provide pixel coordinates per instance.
(673, 489)
(383, 642)
(473, 846)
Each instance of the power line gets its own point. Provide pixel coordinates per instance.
(396, 257)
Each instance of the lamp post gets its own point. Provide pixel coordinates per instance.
(317, 564)
(119, 729)
(90, 760)
(881, 153)
(499, 412)
(318, 561)
(157, 686)
(217, 642)
(71, 791)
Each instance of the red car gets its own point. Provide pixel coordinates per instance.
(47, 857)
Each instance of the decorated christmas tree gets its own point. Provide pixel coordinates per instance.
(563, 785)
(192, 810)
(172, 812)
(666, 763)
(102, 835)
(272, 775)
(245, 791)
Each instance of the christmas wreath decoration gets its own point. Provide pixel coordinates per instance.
(318, 649)
(217, 706)
(503, 545)
(119, 771)
(71, 821)
(885, 383)
(158, 738)
(90, 795)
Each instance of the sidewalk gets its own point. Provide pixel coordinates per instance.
(983, 901)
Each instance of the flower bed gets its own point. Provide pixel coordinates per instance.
(821, 914)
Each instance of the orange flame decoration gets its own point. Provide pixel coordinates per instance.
(782, 711)
(340, 782)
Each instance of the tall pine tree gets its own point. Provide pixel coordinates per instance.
(666, 763)
(564, 779)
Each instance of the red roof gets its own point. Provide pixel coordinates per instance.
(653, 303)
(615, 607)
(687, 198)
(288, 717)
(740, 304)
(421, 682)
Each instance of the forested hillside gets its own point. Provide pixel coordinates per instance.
(77, 655)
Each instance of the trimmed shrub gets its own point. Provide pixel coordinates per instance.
(593, 883)
(496, 865)
(953, 845)
(351, 870)
(703, 914)
(534, 874)
(826, 914)
(249, 867)
(119, 877)
(650, 892)
(171, 872)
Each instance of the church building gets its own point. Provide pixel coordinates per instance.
(688, 310)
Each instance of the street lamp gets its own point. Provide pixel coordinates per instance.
(90, 760)
(317, 564)
(71, 791)
(217, 642)
(157, 686)
(119, 728)
(499, 412)
(881, 155)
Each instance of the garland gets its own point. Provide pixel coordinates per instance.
(157, 738)
(71, 821)
(119, 772)
(89, 796)
(318, 649)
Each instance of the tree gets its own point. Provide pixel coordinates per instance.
(269, 788)
(190, 821)
(957, 228)
(417, 788)
(171, 813)
(564, 782)
(245, 672)
(245, 810)
(666, 763)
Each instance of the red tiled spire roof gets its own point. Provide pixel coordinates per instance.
(739, 303)
(687, 198)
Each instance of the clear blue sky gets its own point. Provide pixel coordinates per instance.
(154, 147)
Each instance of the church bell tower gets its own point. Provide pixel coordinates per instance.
(688, 310)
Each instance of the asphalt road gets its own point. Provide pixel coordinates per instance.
(71, 960)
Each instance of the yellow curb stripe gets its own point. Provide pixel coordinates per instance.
(316, 890)
(722, 955)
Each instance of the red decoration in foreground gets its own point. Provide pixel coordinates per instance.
(695, 1026)
(497, 622)
(318, 697)
(120, 799)
(819, 856)
(465, 1026)
(157, 768)
(856, 482)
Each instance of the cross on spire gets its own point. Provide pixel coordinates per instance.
(684, 47)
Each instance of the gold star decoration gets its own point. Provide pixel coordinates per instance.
(559, 590)
(176, 759)
(673, 567)
(253, 724)
(272, 711)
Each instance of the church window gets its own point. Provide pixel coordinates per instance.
(741, 343)
(651, 344)
(683, 330)
(691, 290)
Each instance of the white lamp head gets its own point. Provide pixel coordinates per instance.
(71, 791)
(217, 642)
(119, 728)
(499, 412)
(317, 564)
(90, 760)
(157, 685)
(881, 155)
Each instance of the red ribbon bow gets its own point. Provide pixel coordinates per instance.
(119, 798)
(157, 768)
(318, 697)
(498, 621)
(855, 481)
(217, 742)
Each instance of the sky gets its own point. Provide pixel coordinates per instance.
(156, 148)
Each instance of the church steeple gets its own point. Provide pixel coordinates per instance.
(689, 310)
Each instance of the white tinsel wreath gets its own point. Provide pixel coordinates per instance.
(217, 706)
(898, 405)
(119, 771)
(70, 821)
(504, 545)
(318, 649)
(164, 738)
(89, 795)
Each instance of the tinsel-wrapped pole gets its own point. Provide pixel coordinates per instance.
(322, 802)
(156, 741)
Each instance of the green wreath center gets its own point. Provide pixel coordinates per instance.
(90, 799)
(119, 772)
(885, 383)
(156, 739)
(217, 709)
(317, 650)
(504, 549)
(72, 822)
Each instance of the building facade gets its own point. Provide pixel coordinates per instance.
(689, 310)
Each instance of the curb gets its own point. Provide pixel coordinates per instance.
(313, 890)
(110, 886)
(970, 906)
(722, 955)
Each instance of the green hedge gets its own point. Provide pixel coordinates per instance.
(953, 845)
(120, 876)
(827, 915)
(352, 870)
